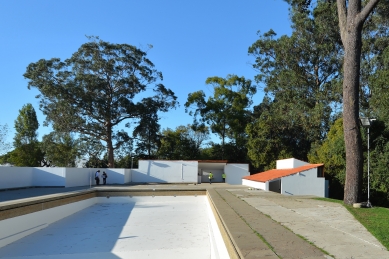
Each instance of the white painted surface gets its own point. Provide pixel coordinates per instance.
(78, 176)
(124, 227)
(19, 177)
(289, 163)
(127, 175)
(235, 173)
(304, 183)
(162, 171)
(18, 227)
(48, 176)
(15, 177)
(256, 185)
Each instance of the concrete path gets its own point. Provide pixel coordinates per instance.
(281, 240)
(327, 225)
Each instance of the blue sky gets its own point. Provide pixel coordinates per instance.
(192, 40)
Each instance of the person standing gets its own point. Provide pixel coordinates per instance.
(97, 177)
(224, 177)
(210, 176)
(104, 178)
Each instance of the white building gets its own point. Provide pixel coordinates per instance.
(291, 177)
(186, 171)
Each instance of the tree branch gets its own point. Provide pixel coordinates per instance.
(342, 19)
(362, 16)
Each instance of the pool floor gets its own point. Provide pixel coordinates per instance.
(128, 227)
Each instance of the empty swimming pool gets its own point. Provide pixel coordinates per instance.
(122, 227)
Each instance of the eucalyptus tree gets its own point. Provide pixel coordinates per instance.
(227, 111)
(352, 17)
(301, 75)
(97, 88)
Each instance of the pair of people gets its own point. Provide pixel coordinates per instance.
(210, 176)
(97, 177)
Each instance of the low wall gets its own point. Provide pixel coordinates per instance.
(25, 177)
(16, 177)
(49, 176)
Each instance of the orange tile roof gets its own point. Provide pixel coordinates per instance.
(278, 173)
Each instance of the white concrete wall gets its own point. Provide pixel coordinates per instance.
(49, 176)
(161, 171)
(235, 173)
(304, 183)
(255, 184)
(20, 177)
(289, 163)
(79, 177)
(18, 227)
(127, 175)
(15, 177)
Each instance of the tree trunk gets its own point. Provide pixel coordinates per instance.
(111, 160)
(351, 20)
(352, 136)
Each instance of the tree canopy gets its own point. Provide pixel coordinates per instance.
(98, 88)
(227, 110)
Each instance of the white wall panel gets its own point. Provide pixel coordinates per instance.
(235, 173)
(161, 171)
(304, 183)
(15, 177)
(289, 163)
(49, 176)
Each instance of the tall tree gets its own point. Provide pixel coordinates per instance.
(301, 75)
(26, 125)
(351, 20)
(227, 110)
(27, 148)
(96, 89)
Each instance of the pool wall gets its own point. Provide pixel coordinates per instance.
(23, 217)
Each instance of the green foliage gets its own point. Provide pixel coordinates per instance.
(379, 163)
(27, 155)
(226, 112)
(301, 75)
(61, 149)
(178, 144)
(27, 150)
(333, 155)
(97, 88)
(147, 132)
(26, 125)
(92, 150)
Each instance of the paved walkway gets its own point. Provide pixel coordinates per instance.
(269, 225)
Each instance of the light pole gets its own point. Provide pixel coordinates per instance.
(366, 123)
(132, 161)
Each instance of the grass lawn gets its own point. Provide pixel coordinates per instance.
(375, 220)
